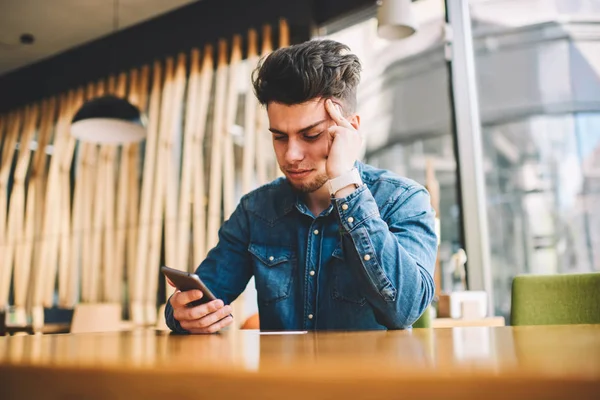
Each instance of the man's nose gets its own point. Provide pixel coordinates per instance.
(295, 152)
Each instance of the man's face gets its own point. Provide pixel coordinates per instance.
(301, 142)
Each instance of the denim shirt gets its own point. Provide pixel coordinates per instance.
(365, 263)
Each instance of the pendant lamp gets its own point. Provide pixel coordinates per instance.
(395, 19)
(108, 119)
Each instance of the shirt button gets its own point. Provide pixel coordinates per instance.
(310, 316)
(271, 258)
(344, 206)
(350, 220)
(312, 273)
(316, 231)
(367, 257)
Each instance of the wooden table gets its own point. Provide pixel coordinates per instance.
(482, 362)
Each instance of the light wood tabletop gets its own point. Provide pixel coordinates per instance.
(490, 362)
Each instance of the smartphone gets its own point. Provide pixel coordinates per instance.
(185, 281)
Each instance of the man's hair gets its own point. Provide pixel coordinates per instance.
(302, 72)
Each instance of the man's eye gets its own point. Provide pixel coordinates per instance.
(313, 137)
(279, 137)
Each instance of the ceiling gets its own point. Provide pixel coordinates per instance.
(59, 25)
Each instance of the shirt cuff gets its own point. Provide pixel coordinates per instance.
(172, 323)
(356, 208)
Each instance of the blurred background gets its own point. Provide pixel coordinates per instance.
(538, 78)
(537, 81)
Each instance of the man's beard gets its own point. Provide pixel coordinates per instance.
(310, 186)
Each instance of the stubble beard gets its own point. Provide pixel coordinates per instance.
(309, 186)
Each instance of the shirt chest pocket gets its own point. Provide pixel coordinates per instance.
(274, 268)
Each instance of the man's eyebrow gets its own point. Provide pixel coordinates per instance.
(303, 130)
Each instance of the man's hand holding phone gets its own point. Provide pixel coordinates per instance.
(209, 317)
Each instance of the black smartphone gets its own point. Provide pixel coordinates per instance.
(185, 281)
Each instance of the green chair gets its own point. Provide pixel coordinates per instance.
(424, 320)
(556, 299)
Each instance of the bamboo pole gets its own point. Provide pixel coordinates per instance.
(27, 259)
(13, 125)
(66, 281)
(171, 163)
(250, 106)
(216, 159)
(231, 104)
(97, 174)
(139, 98)
(139, 279)
(185, 196)
(16, 208)
(62, 220)
(158, 203)
(230, 114)
(115, 281)
(84, 196)
(115, 234)
(262, 161)
(46, 276)
(284, 41)
(199, 204)
(89, 174)
(20, 214)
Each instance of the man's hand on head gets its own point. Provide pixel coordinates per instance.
(344, 142)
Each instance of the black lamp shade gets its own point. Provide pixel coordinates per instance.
(108, 120)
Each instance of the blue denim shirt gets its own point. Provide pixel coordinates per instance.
(365, 263)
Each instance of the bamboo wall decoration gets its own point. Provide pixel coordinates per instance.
(79, 221)
(65, 278)
(18, 221)
(171, 191)
(157, 213)
(230, 114)
(189, 132)
(200, 203)
(45, 276)
(115, 214)
(102, 153)
(250, 114)
(26, 257)
(83, 201)
(13, 128)
(138, 278)
(216, 158)
(262, 159)
(14, 228)
(139, 98)
(284, 41)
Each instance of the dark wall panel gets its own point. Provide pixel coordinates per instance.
(191, 26)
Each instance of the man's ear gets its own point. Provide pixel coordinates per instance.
(355, 121)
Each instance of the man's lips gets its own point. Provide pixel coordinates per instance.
(298, 173)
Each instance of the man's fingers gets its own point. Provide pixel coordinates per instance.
(220, 325)
(181, 299)
(194, 314)
(212, 318)
(335, 113)
(214, 327)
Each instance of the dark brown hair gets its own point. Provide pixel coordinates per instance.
(302, 72)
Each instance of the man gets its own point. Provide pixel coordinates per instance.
(336, 244)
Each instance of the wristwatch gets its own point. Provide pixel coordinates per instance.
(351, 177)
